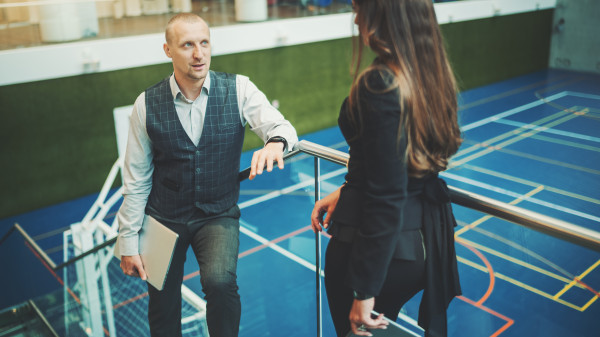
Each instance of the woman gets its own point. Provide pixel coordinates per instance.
(391, 222)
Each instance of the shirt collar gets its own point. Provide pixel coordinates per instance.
(175, 88)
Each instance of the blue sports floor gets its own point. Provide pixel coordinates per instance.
(532, 141)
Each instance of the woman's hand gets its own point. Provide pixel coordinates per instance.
(360, 317)
(322, 207)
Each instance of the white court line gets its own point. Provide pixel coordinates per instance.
(512, 112)
(275, 247)
(582, 95)
(549, 130)
(517, 195)
(289, 189)
(527, 106)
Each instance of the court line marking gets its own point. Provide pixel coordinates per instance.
(577, 281)
(506, 135)
(548, 161)
(487, 217)
(582, 95)
(278, 249)
(289, 189)
(489, 267)
(530, 183)
(519, 283)
(566, 143)
(509, 321)
(534, 268)
(526, 107)
(516, 261)
(511, 112)
(566, 277)
(517, 195)
(520, 135)
(505, 94)
(549, 130)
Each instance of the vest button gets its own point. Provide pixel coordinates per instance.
(198, 170)
(198, 152)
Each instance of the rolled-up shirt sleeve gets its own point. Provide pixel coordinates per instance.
(137, 179)
(264, 119)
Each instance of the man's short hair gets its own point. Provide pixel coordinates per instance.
(184, 17)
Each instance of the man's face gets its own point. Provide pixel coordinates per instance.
(189, 49)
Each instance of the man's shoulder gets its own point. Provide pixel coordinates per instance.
(158, 84)
(223, 75)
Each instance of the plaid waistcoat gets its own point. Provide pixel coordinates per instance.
(188, 176)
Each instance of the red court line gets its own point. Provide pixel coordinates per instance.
(479, 304)
(586, 286)
(489, 268)
(59, 279)
(509, 321)
(131, 300)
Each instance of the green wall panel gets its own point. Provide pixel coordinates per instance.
(58, 139)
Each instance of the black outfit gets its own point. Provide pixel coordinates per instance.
(392, 235)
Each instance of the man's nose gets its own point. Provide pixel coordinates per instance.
(198, 53)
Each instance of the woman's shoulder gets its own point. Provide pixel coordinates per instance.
(378, 77)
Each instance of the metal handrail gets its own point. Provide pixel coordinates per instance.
(542, 223)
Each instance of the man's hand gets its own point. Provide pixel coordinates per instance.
(360, 317)
(266, 156)
(132, 266)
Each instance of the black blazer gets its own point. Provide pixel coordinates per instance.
(379, 209)
(385, 213)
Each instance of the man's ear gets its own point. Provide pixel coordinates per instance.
(167, 51)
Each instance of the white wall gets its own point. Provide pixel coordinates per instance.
(68, 59)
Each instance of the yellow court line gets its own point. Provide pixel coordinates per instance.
(530, 183)
(574, 282)
(509, 133)
(520, 284)
(513, 140)
(487, 217)
(519, 262)
(590, 302)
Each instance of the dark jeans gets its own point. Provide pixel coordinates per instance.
(404, 280)
(215, 242)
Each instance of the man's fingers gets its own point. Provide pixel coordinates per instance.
(280, 160)
(141, 272)
(253, 166)
(269, 159)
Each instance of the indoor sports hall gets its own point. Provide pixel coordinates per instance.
(525, 183)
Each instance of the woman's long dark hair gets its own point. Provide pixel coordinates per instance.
(405, 36)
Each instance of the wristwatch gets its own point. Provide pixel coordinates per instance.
(360, 295)
(278, 139)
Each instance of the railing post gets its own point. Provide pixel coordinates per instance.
(318, 248)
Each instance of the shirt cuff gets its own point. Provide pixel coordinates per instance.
(128, 246)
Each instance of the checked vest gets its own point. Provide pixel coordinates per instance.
(188, 176)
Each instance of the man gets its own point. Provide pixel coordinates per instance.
(181, 167)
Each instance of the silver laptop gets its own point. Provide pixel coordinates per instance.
(157, 245)
(393, 330)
